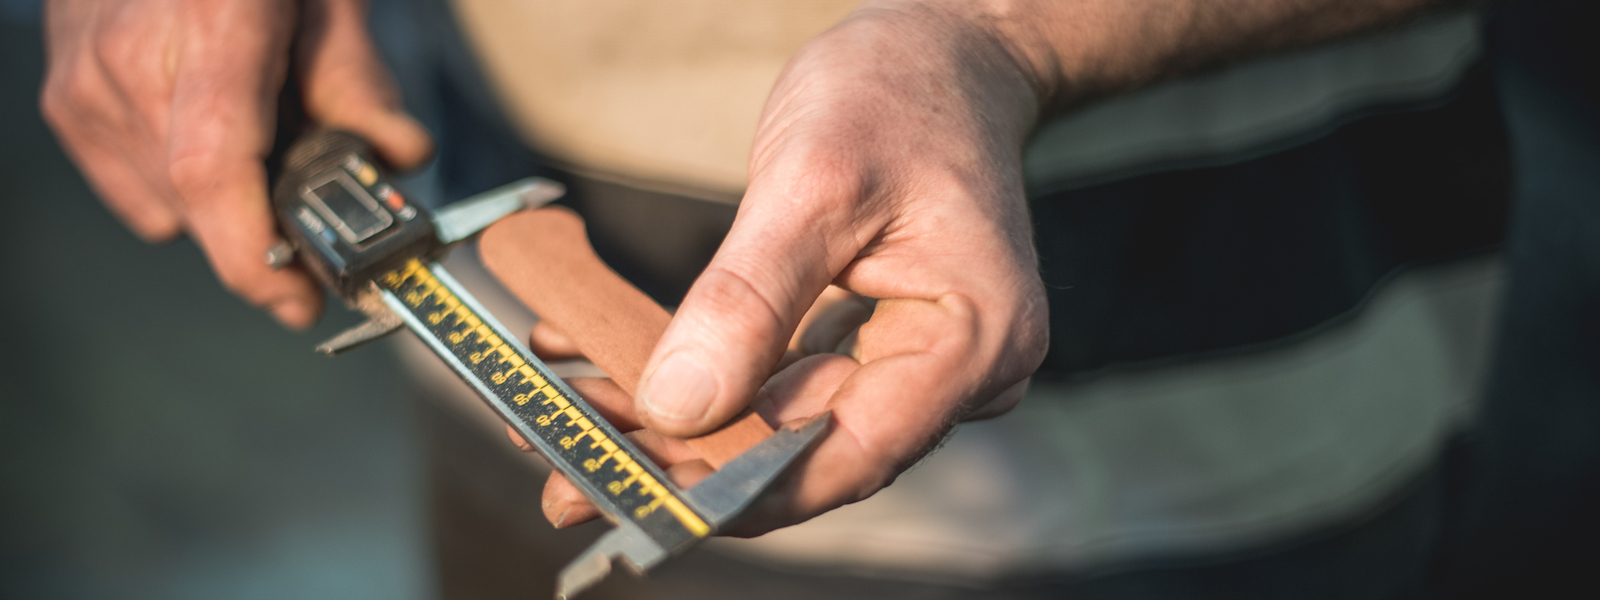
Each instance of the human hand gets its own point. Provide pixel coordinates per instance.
(168, 107)
(888, 162)
(616, 326)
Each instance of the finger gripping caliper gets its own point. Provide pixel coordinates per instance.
(345, 222)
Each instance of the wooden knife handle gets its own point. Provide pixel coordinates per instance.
(545, 259)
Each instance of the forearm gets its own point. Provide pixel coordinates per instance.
(1077, 50)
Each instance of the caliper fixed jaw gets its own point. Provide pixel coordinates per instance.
(720, 499)
(460, 221)
(627, 542)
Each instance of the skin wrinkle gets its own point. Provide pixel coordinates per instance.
(86, 92)
(819, 212)
(994, 21)
(938, 279)
(874, 456)
(776, 318)
(889, 458)
(963, 310)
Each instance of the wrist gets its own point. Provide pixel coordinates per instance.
(990, 61)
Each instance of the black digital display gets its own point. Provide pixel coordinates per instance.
(350, 210)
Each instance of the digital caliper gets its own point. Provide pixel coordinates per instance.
(375, 249)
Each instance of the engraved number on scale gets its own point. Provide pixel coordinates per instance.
(605, 465)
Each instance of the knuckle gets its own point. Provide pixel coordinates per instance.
(193, 173)
(69, 92)
(112, 49)
(809, 171)
(53, 106)
(1030, 327)
(732, 294)
(826, 179)
(82, 90)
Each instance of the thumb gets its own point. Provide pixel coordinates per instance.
(736, 320)
(345, 85)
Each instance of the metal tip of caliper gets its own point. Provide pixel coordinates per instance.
(627, 543)
(583, 573)
(380, 322)
(460, 220)
(721, 497)
(368, 331)
(725, 495)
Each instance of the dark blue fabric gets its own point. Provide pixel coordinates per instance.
(1178, 263)
(1526, 520)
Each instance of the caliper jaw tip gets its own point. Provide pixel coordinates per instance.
(380, 322)
(626, 542)
(724, 495)
(721, 497)
(582, 573)
(461, 220)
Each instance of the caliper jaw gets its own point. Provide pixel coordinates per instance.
(627, 542)
(724, 495)
(720, 498)
(380, 322)
(461, 220)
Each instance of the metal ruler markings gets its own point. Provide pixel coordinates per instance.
(585, 448)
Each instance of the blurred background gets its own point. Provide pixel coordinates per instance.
(161, 439)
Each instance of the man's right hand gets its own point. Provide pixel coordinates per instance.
(168, 107)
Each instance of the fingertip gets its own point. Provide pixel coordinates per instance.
(732, 328)
(293, 299)
(563, 505)
(294, 313)
(402, 140)
(689, 473)
(517, 440)
(344, 84)
(156, 230)
(549, 343)
(398, 138)
(146, 216)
